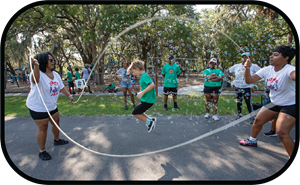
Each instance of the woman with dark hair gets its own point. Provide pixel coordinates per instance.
(50, 84)
(280, 78)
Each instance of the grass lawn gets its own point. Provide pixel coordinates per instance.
(97, 105)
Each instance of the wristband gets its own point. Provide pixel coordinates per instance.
(70, 96)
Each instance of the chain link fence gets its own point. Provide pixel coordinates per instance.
(21, 83)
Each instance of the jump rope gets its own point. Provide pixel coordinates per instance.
(225, 127)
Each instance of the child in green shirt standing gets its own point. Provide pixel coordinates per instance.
(147, 94)
(212, 83)
(77, 74)
(170, 72)
(70, 80)
(77, 77)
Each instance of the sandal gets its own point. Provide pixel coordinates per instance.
(60, 142)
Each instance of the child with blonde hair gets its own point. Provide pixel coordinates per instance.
(147, 94)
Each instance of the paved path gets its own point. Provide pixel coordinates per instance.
(218, 157)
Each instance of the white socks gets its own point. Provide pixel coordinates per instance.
(252, 139)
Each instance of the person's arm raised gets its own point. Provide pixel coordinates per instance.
(36, 71)
(248, 78)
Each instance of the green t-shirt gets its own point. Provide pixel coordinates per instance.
(209, 72)
(77, 75)
(150, 96)
(69, 76)
(171, 72)
(111, 87)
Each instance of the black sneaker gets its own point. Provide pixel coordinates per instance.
(252, 120)
(60, 142)
(151, 126)
(125, 108)
(238, 117)
(44, 156)
(165, 107)
(176, 107)
(270, 134)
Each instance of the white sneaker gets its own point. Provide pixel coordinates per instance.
(151, 126)
(154, 123)
(215, 117)
(207, 116)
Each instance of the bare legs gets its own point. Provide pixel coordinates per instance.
(284, 124)
(42, 125)
(166, 98)
(212, 98)
(261, 118)
(125, 89)
(143, 117)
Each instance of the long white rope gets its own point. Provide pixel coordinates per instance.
(157, 151)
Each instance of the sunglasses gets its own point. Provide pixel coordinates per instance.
(52, 60)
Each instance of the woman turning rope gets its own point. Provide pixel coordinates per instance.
(280, 78)
(50, 84)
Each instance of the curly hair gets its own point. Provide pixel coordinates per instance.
(43, 59)
(286, 51)
(123, 61)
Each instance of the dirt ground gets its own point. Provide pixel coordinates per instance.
(25, 88)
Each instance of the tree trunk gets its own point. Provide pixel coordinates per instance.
(60, 70)
(289, 39)
(100, 75)
(10, 68)
(12, 71)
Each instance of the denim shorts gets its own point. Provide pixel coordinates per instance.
(125, 84)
